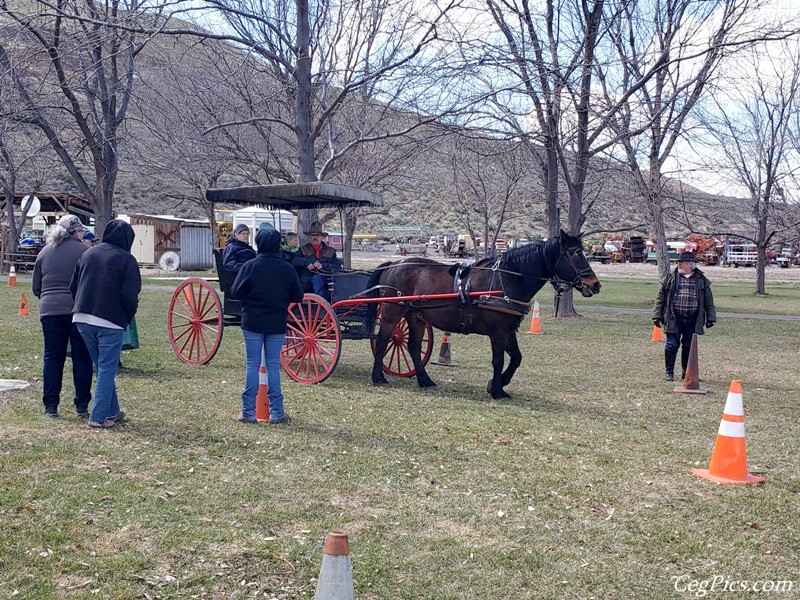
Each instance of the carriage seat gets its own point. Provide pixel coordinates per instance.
(352, 319)
(226, 278)
(346, 284)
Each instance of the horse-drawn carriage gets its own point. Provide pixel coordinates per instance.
(395, 307)
(317, 326)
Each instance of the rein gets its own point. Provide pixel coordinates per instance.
(559, 285)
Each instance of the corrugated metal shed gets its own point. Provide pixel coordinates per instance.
(185, 241)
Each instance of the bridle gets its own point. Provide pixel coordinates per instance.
(570, 256)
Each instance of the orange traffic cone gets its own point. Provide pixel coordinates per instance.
(262, 400)
(536, 326)
(23, 306)
(445, 357)
(658, 335)
(691, 381)
(729, 458)
(12, 277)
(336, 574)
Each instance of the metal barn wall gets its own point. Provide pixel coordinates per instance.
(195, 247)
(190, 240)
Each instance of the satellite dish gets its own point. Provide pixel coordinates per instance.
(169, 261)
(35, 207)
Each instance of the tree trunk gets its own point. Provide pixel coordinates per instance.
(761, 253)
(12, 230)
(350, 222)
(305, 142)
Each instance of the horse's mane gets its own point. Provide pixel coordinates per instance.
(518, 259)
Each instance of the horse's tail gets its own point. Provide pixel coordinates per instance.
(372, 307)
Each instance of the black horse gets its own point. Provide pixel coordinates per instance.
(518, 275)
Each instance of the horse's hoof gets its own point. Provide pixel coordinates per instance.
(427, 384)
(380, 382)
(501, 395)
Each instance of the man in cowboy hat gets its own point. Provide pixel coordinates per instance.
(314, 259)
(683, 306)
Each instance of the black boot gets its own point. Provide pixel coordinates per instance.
(669, 363)
(684, 361)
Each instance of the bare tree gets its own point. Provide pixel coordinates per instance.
(319, 55)
(659, 60)
(753, 126)
(24, 160)
(79, 91)
(542, 73)
(16, 161)
(186, 89)
(488, 180)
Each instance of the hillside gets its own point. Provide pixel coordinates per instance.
(172, 147)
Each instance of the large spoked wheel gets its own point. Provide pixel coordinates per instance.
(313, 341)
(194, 321)
(397, 360)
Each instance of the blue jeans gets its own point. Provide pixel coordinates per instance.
(684, 329)
(271, 343)
(320, 284)
(58, 331)
(105, 347)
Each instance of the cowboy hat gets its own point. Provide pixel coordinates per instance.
(315, 229)
(687, 257)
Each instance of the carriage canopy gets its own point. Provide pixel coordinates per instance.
(293, 196)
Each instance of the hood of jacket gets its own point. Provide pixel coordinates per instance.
(268, 241)
(119, 233)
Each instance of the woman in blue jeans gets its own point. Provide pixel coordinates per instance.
(106, 286)
(266, 285)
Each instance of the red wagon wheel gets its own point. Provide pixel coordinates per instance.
(194, 321)
(397, 360)
(313, 341)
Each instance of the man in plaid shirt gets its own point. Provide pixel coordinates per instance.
(684, 305)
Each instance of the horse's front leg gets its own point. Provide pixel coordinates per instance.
(495, 387)
(416, 330)
(515, 358)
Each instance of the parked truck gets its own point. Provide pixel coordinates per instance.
(741, 255)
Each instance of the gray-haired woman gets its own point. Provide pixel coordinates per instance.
(51, 278)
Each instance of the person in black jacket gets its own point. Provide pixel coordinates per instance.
(52, 274)
(237, 249)
(266, 286)
(106, 285)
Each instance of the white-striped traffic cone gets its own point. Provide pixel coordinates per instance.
(12, 277)
(262, 400)
(729, 458)
(536, 326)
(336, 574)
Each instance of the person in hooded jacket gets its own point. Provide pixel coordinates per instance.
(52, 273)
(106, 285)
(266, 286)
(237, 249)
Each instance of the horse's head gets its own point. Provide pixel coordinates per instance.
(573, 268)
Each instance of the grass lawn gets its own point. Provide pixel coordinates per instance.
(577, 487)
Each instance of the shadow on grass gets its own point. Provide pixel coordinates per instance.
(189, 435)
(467, 391)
